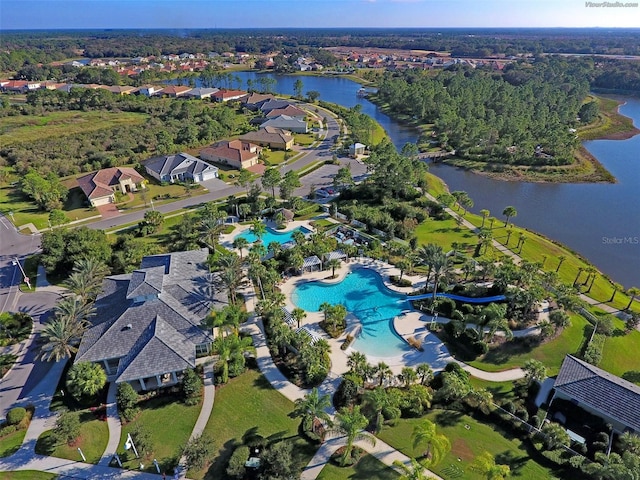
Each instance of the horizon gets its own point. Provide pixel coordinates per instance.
(316, 14)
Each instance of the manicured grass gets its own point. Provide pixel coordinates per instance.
(27, 475)
(435, 185)
(368, 468)
(466, 444)
(29, 128)
(275, 157)
(170, 423)
(304, 139)
(551, 353)
(9, 444)
(445, 233)
(25, 211)
(245, 403)
(93, 439)
(620, 354)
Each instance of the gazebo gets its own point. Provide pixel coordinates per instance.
(312, 263)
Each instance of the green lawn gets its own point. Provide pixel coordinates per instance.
(9, 444)
(444, 233)
(551, 353)
(466, 444)
(304, 139)
(27, 475)
(29, 128)
(245, 403)
(170, 423)
(368, 468)
(620, 355)
(93, 439)
(435, 185)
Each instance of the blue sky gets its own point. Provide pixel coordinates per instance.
(28, 14)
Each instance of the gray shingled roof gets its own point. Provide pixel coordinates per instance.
(600, 390)
(165, 324)
(158, 350)
(175, 164)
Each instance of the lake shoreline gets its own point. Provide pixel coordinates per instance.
(596, 172)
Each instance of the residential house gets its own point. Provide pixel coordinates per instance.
(601, 393)
(201, 93)
(235, 153)
(122, 89)
(181, 167)
(225, 95)
(290, 110)
(21, 86)
(147, 328)
(274, 138)
(254, 101)
(150, 90)
(175, 90)
(100, 186)
(286, 122)
(357, 149)
(266, 107)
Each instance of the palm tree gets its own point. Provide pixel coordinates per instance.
(75, 310)
(441, 269)
(486, 465)
(425, 373)
(325, 307)
(561, 259)
(86, 278)
(616, 288)
(383, 372)
(312, 408)
(298, 315)
(509, 212)
(231, 349)
(333, 264)
(258, 228)
(357, 363)
(407, 376)
(350, 423)
(232, 279)
(403, 265)
(61, 337)
(229, 318)
(485, 214)
(580, 270)
(427, 254)
(633, 292)
(414, 471)
(437, 445)
(379, 400)
(240, 243)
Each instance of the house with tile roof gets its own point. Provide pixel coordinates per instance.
(225, 95)
(601, 393)
(147, 328)
(274, 138)
(100, 186)
(180, 167)
(286, 122)
(274, 104)
(253, 101)
(201, 93)
(289, 110)
(175, 90)
(235, 153)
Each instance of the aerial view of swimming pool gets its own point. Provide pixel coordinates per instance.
(364, 294)
(273, 235)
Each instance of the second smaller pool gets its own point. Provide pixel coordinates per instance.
(273, 235)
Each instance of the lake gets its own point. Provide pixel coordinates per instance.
(599, 221)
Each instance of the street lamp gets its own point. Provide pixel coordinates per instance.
(15, 261)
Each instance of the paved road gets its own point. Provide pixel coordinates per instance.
(28, 371)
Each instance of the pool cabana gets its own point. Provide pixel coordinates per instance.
(312, 263)
(336, 254)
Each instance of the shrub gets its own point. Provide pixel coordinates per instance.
(85, 379)
(127, 401)
(347, 342)
(236, 466)
(16, 415)
(197, 451)
(191, 387)
(67, 428)
(593, 352)
(400, 283)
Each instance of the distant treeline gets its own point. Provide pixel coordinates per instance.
(521, 116)
(33, 47)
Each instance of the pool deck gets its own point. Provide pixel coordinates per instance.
(226, 239)
(412, 323)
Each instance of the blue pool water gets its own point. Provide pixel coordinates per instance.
(364, 294)
(272, 235)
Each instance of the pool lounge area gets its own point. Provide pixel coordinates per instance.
(381, 316)
(283, 237)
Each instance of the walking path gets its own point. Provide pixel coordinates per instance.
(114, 424)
